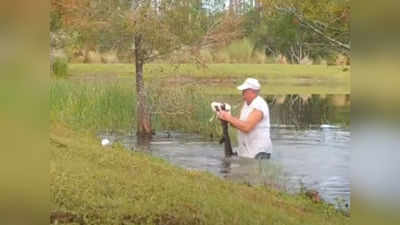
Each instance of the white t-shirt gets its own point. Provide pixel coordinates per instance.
(258, 139)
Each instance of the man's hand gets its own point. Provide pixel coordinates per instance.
(224, 115)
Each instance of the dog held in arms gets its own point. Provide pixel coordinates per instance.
(217, 107)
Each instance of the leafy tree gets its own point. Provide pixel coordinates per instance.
(153, 29)
(282, 34)
(330, 19)
(299, 29)
(84, 20)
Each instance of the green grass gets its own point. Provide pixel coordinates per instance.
(90, 184)
(112, 106)
(212, 70)
(92, 105)
(223, 78)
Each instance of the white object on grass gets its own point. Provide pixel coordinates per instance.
(105, 142)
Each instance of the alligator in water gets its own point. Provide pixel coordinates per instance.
(225, 138)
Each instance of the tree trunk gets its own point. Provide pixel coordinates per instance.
(86, 56)
(142, 113)
(231, 6)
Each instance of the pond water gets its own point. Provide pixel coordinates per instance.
(316, 156)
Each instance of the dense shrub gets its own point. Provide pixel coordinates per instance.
(240, 51)
(59, 67)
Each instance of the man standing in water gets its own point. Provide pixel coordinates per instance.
(253, 124)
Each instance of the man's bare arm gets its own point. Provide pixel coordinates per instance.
(245, 126)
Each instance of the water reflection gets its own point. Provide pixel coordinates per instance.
(301, 111)
(318, 159)
(143, 143)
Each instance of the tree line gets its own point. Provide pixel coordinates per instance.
(152, 29)
(294, 29)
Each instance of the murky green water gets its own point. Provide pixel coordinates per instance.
(311, 149)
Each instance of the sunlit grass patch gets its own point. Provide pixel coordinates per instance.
(275, 78)
(223, 70)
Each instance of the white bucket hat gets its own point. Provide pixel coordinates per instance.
(250, 83)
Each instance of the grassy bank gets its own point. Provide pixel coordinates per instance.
(90, 184)
(223, 78)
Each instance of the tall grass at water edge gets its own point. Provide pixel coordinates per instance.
(184, 108)
(112, 106)
(92, 106)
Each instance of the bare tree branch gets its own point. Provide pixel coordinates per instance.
(304, 22)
